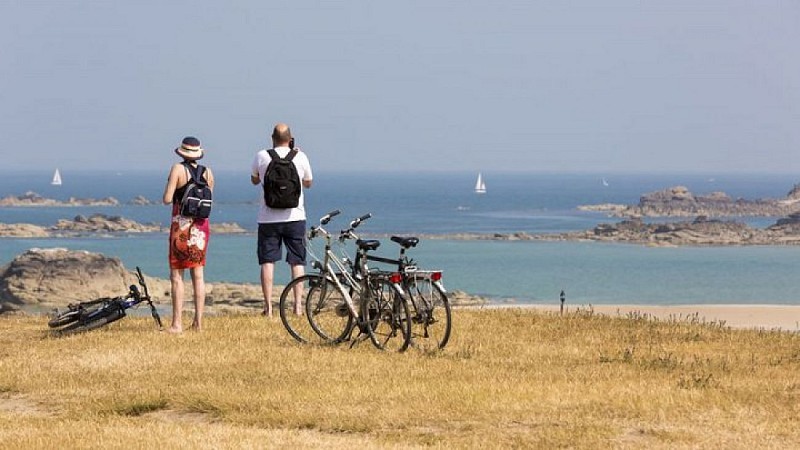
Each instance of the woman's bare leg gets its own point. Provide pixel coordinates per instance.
(176, 281)
(199, 286)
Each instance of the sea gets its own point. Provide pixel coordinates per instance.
(441, 203)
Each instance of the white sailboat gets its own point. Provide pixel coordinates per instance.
(605, 183)
(56, 178)
(480, 186)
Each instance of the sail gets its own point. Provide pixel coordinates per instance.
(56, 179)
(480, 186)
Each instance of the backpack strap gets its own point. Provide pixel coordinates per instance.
(274, 155)
(195, 173)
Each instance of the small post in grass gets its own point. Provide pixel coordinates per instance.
(563, 298)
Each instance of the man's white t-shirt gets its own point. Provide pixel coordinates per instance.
(270, 215)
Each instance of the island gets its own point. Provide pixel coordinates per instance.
(98, 225)
(678, 201)
(30, 199)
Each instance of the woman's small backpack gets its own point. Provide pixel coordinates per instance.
(197, 200)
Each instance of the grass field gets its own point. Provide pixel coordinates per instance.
(508, 378)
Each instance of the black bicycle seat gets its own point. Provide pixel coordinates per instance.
(369, 244)
(406, 242)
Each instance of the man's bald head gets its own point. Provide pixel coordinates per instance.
(281, 135)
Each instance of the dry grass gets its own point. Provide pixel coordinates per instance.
(509, 378)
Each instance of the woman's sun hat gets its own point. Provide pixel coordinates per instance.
(190, 148)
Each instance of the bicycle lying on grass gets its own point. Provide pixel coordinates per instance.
(85, 316)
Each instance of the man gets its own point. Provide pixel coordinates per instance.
(279, 227)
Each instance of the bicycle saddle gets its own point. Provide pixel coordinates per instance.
(406, 242)
(369, 244)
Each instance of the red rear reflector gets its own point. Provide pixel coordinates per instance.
(436, 276)
(396, 278)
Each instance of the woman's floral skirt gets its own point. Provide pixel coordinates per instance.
(188, 241)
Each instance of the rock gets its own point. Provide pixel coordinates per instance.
(461, 298)
(33, 199)
(141, 200)
(59, 276)
(103, 223)
(226, 228)
(22, 230)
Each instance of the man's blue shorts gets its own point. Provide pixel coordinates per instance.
(290, 234)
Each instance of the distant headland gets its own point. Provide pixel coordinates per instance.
(678, 201)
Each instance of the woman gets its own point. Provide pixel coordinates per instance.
(188, 237)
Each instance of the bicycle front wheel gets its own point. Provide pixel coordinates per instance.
(430, 313)
(387, 317)
(328, 313)
(64, 318)
(310, 320)
(292, 307)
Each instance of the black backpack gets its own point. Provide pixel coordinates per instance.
(281, 181)
(196, 201)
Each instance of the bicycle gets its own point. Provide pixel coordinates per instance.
(85, 316)
(427, 297)
(346, 295)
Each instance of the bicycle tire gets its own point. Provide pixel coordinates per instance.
(297, 324)
(103, 315)
(431, 313)
(327, 312)
(64, 318)
(387, 317)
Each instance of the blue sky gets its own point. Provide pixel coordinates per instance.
(708, 86)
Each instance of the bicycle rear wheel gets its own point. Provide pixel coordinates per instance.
(431, 313)
(76, 311)
(387, 317)
(95, 318)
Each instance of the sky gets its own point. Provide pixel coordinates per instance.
(553, 86)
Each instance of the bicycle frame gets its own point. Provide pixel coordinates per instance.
(334, 269)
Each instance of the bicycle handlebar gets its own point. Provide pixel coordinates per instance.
(348, 233)
(356, 222)
(327, 217)
(141, 282)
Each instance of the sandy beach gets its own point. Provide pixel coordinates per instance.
(768, 317)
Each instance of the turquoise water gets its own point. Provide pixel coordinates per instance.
(440, 203)
(525, 272)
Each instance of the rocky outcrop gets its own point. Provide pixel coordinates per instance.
(22, 230)
(33, 199)
(100, 223)
(699, 232)
(141, 200)
(58, 276)
(226, 228)
(678, 201)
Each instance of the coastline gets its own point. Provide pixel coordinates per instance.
(744, 316)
